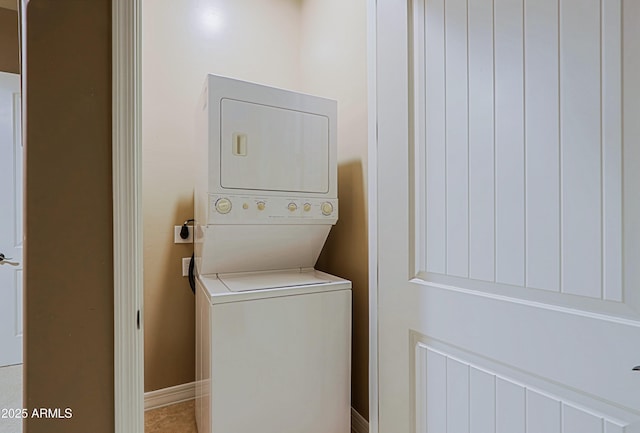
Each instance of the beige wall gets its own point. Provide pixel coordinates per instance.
(316, 46)
(9, 47)
(333, 61)
(180, 46)
(68, 254)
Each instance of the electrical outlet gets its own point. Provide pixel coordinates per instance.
(176, 235)
(185, 266)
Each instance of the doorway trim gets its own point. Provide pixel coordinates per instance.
(127, 217)
(372, 187)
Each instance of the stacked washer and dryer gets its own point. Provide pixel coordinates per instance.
(273, 335)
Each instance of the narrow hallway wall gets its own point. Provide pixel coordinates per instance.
(69, 225)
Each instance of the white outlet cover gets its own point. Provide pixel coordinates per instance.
(176, 235)
(185, 266)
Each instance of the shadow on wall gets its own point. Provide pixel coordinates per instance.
(169, 308)
(345, 254)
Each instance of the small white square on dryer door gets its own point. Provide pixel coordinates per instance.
(176, 235)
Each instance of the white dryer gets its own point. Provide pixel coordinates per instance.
(273, 335)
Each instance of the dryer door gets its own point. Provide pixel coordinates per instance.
(273, 149)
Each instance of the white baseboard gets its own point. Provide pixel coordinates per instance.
(358, 423)
(171, 395)
(187, 391)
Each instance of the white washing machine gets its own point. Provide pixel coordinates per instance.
(273, 335)
(274, 360)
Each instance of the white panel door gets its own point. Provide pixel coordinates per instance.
(11, 173)
(508, 216)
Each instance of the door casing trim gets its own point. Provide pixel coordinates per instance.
(372, 182)
(127, 217)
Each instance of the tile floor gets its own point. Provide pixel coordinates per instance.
(176, 418)
(10, 397)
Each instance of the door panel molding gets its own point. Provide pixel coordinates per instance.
(584, 307)
(631, 152)
(478, 392)
(516, 164)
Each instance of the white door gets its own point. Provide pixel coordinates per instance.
(508, 236)
(11, 181)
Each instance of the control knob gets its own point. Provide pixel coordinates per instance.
(327, 208)
(223, 205)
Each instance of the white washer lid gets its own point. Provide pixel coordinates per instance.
(218, 293)
(243, 282)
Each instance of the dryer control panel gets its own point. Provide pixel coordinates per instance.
(243, 209)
